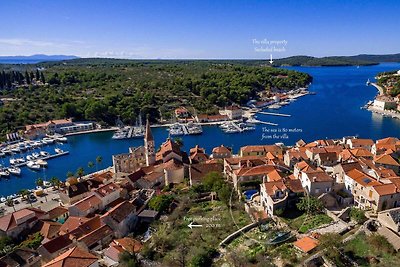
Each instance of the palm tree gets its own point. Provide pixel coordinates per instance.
(10, 203)
(179, 141)
(25, 195)
(90, 164)
(80, 172)
(55, 182)
(39, 182)
(70, 174)
(99, 159)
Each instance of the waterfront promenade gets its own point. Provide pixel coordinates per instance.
(380, 89)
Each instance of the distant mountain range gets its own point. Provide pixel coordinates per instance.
(361, 60)
(33, 59)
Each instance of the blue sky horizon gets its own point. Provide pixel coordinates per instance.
(199, 29)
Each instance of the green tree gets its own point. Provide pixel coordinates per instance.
(37, 76)
(127, 259)
(357, 215)
(6, 244)
(213, 181)
(42, 79)
(90, 164)
(224, 194)
(179, 141)
(25, 195)
(203, 258)
(69, 174)
(310, 204)
(55, 182)
(33, 241)
(161, 203)
(99, 159)
(10, 203)
(80, 172)
(39, 182)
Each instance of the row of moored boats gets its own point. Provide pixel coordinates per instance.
(30, 144)
(34, 161)
(190, 128)
(233, 127)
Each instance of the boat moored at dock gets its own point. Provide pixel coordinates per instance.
(14, 170)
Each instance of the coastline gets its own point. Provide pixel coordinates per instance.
(385, 113)
(380, 89)
(93, 131)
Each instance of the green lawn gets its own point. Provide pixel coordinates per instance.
(306, 222)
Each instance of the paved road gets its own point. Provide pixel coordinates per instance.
(45, 203)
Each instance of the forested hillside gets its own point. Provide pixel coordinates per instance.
(105, 89)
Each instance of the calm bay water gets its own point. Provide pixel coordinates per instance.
(333, 112)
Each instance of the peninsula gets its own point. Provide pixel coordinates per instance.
(387, 102)
(358, 60)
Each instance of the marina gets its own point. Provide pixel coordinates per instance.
(343, 86)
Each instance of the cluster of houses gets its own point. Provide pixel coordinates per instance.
(97, 214)
(93, 221)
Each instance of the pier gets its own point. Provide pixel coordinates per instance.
(185, 129)
(237, 127)
(43, 158)
(265, 122)
(274, 114)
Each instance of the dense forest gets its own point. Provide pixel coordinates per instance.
(390, 81)
(105, 89)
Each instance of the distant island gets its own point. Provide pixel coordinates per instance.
(33, 59)
(358, 60)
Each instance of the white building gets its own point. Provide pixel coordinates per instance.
(384, 103)
(233, 112)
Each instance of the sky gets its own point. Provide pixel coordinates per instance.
(218, 29)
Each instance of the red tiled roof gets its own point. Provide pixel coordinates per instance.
(272, 187)
(386, 189)
(252, 171)
(49, 229)
(386, 160)
(319, 176)
(75, 257)
(107, 189)
(121, 211)
(88, 203)
(362, 178)
(221, 149)
(57, 244)
(57, 212)
(306, 244)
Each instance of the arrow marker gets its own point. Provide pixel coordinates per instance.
(270, 60)
(191, 225)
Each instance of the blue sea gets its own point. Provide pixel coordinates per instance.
(333, 112)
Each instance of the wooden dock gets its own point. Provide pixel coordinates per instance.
(43, 158)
